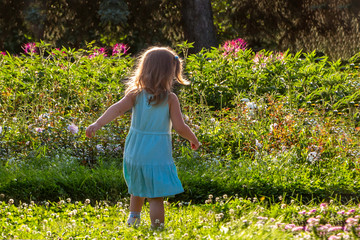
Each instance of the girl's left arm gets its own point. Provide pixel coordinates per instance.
(117, 109)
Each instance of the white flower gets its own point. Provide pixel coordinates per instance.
(186, 118)
(73, 128)
(245, 100)
(39, 130)
(313, 157)
(272, 126)
(0, 129)
(251, 105)
(258, 144)
(100, 148)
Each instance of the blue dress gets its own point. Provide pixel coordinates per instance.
(148, 166)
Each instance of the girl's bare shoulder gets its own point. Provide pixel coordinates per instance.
(172, 98)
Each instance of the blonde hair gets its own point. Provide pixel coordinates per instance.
(155, 72)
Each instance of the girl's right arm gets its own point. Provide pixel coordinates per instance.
(178, 122)
(117, 109)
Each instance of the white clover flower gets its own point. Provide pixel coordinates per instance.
(11, 201)
(87, 201)
(73, 128)
(258, 144)
(39, 130)
(313, 157)
(251, 105)
(186, 118)
(272, 126)
(100, 148)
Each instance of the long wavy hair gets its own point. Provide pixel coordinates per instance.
(155, 73)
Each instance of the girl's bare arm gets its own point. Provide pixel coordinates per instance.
(178, 122)
(117, 109)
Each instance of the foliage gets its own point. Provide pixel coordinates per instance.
(270, 123)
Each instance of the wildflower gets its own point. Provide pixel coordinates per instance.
(73, 128)
(258, 144)
(11, 201)
(100, 148)
(334, 237)
(30, 48)
(303, 212)
(0, 129)
(251, 105)
(323, 206)
(39, 130)
(312, 211)
(351, 211)
(97, 52)
(87, 201)
(61, 202)
(68, 200)
(289, 226)
(313, 221)
(225, 196)
(212, 120)
(333, 229)
(120, 48)
(342, 212)
(296, 229)
(313, 157)
(186, 118)
(231, 211)
(234, 46)
(352, 221)
(3, 53)
(273, 126)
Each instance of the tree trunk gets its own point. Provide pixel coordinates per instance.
(198, 23)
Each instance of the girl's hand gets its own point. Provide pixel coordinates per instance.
(195, 146)
(90, 130)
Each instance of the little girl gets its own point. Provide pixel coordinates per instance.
(148, 166)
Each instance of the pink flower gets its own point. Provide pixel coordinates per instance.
(342, 212)
(333, 237)
(323, 205)
(73, 128)
(333, 229)
(313, 221)
(312, 211)
(120, 48)
(97, 52)
(352, 221)
(234, 46)
(296, 229)
(30, 48)
(351, 211)
(303, 212)
(39, 130)
(289, 226)
(3, 53)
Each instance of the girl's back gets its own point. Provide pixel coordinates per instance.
(148, 117)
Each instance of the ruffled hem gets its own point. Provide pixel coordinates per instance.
(152, 181)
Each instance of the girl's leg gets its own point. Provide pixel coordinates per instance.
(157, 211)
(136, 204)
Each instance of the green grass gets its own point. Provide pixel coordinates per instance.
(221, 217)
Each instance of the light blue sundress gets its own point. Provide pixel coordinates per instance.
(148, 165)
